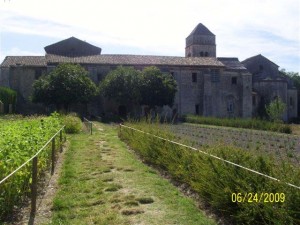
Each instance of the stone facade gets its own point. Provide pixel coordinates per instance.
(269, 83)
(207, 85)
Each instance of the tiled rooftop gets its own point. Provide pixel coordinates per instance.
(232, 63)
(112, 60)
(24, 61)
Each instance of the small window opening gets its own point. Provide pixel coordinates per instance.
(194, 77)
(291, 101)
(230, 106)
(206, 54)
(99, 77)
(197, 109)
(261, 67)
(37, 74)
(201, 54)
(233, 80)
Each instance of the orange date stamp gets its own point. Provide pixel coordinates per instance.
(263, 197)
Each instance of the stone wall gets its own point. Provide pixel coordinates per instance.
(4, 76)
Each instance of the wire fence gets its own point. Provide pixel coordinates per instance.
(210, 155)
(34, 169)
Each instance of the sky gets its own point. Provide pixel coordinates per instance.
(158, 27)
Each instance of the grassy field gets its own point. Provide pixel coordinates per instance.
(102, 182)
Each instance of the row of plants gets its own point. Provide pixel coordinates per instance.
(216, 182)
(20, 139)
(282, 146)
(240, 123)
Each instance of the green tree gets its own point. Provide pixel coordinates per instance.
(275, 110)
(130, 87)
(157, 89)
(122, 85)
(66, 84)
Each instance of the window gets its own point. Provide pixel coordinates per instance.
(201, 54)
(215, 75)
(233, 80)
(291, 101)
(172, 74)
(197, 109)
(206, 54)
(230, 106)
(261, 67)
(194, 77)
(99, 77)
(37, 73)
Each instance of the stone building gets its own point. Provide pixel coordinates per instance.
(207, 85)
(269, 83)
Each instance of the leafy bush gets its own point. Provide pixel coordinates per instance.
(241, 123)
(216, 181)
(72, 124)
(7, 96)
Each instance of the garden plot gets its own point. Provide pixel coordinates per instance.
(283, 146)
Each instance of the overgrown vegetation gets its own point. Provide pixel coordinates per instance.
(240, 123)
(20, 140)
(216, 181)
(7, 97)
(72, 123)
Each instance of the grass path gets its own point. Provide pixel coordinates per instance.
(102, 182)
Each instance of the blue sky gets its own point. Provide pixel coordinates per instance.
(157, 27)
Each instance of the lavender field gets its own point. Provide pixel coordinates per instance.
(281, 146)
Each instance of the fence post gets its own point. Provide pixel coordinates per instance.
(60, 139)
(34, 187)
(53, 156)
(91, 127)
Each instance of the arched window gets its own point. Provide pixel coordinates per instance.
(206, 54)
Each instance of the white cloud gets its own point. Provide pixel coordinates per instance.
(16, 51)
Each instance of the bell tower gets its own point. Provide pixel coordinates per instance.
(200, 43)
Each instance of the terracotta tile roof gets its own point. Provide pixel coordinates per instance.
(112, 60)
(232, 63)
(24, 61)
(137, 60)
